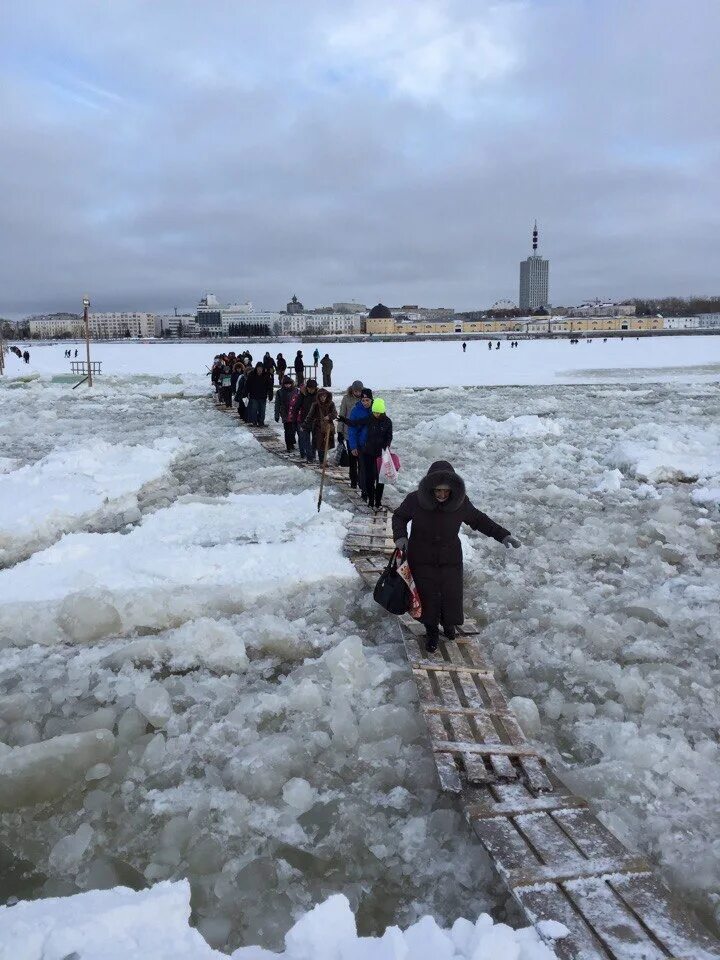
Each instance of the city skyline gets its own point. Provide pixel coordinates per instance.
(360, 151)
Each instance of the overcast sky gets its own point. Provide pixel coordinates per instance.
(156, 150)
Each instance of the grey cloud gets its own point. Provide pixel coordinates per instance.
(152, 153)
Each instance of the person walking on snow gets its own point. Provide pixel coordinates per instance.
(326, 365)
(258, 389)
(284, 402)
(437, 509)
(299, 368)
(320, 422)
(370, 432)
(464, 347)
(350, 398)
(308, 394)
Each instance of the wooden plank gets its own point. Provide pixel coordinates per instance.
(651, 901)
(483, 723)
(550, 903)
(534, 804)
(612, 922)
(460, 730)
(469, 711)
(570, 871)
(588, 834)
(506, 847)
(549, 841)
(486, 749)
(438, 665)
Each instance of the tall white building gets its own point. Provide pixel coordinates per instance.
(534, 273)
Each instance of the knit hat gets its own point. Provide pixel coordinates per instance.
(287, 381)
(312, 383)
(356, 385)
(378, 405)
(366, 392)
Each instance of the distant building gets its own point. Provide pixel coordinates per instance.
(235, 319)
(294, 306)
(176, 325)
(599, 309)
(380, 320)
(111, 326)
(350, 306)
(322, 322)
(56, 325)
(534, 273)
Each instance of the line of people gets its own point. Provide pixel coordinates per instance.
(313, 425)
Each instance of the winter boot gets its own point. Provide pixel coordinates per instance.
(450, 632)
(432, 638)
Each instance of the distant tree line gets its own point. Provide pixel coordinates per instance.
(676, 306)
(249, 330)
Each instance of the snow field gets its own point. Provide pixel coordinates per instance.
(421, 363)
(124, 925)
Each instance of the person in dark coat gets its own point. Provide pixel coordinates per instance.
(308, 394)
(437, 509)
(316, 355)
(258, 389)
(284, 404)
(320, 421)
(326, 365)
(299, 367)
(281, 366)
(225, 392)
(269, 363)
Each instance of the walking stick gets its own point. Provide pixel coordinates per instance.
(322, 475)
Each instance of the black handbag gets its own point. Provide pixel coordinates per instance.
(391, 591)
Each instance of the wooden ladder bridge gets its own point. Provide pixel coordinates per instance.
(555, 857)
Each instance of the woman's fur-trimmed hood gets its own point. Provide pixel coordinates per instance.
(441, 472)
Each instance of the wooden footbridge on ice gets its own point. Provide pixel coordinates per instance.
(555, 857)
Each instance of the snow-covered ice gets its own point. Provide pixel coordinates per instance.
(422, 363)
(122, 924)
(259, 726)
(76, 487)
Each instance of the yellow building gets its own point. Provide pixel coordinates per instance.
(531, 325)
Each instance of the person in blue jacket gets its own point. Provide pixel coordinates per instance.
(357, 423)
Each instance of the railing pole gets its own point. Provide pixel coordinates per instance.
(86, 304)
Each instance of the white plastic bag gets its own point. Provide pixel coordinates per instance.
(388, 467)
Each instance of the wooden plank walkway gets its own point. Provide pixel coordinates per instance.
(555, 857)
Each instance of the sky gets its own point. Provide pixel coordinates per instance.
(378, 150)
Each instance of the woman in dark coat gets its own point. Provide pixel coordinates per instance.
(320, 423)
(438, 508)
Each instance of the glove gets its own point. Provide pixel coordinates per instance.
(510, 541)
(402, 544)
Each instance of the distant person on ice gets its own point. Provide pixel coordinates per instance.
(281, 365)
(464, 347)
(326, 364)
(437, 509)
(26, 356)
(316, 355)
(299, 368)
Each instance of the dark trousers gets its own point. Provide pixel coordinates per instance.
(327, 378)
(368, 474)
(353, 467)
(289, 429)
(300, 376)
(226, 395)
(256, 412)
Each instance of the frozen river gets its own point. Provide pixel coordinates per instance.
(164, 579)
